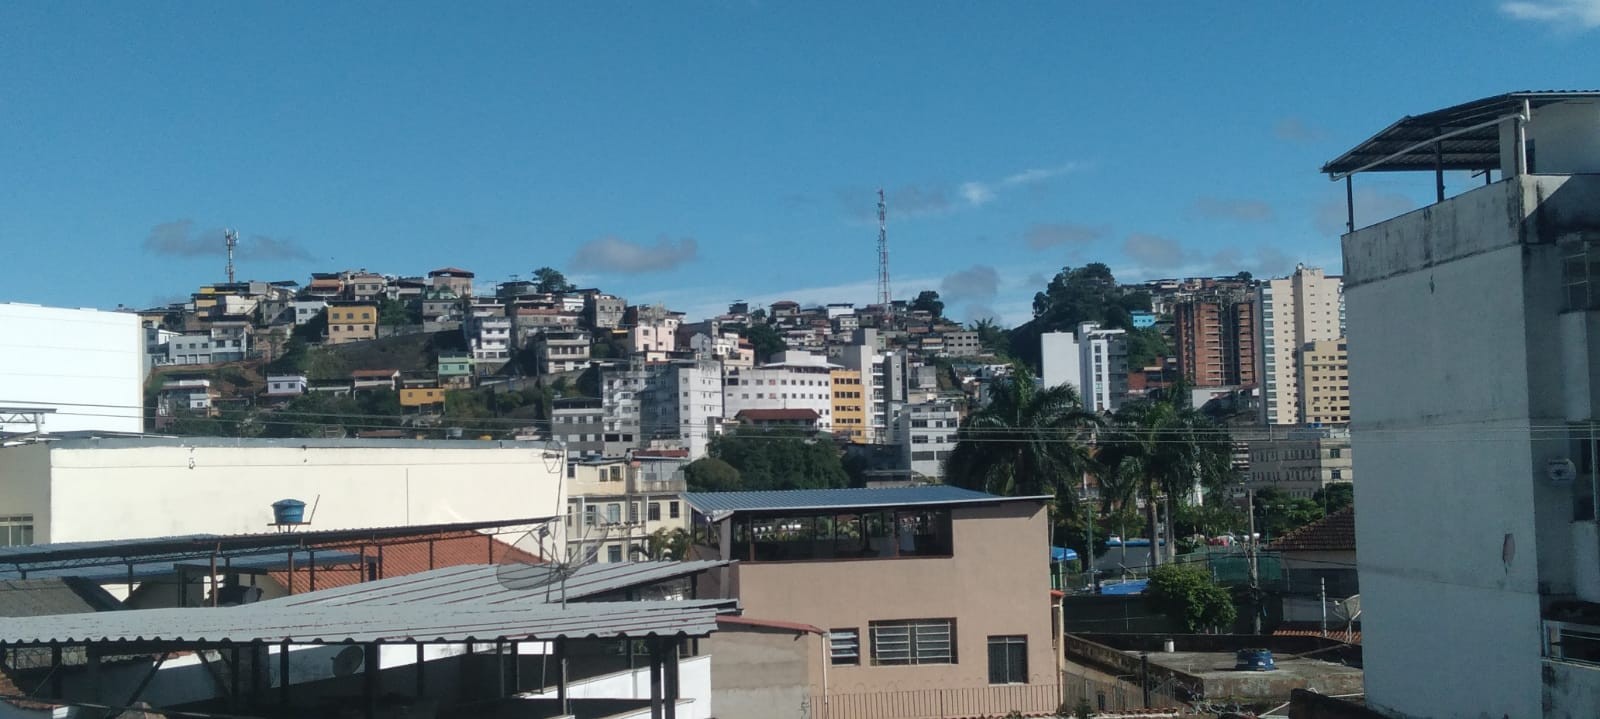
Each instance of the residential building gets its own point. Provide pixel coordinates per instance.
(615, 504)
(1093, 360)
(681, 405)
(530, 322)
(561, 351)
(603, 311)
(797, 380)
(351, 322)
(456, 370)
(907, 589)
(490, 338)
(928, 435)
(654, 329)
(1473, 334)
(114, 488)
(375, 379)
(363, 286)
(962, 343)
(1302, 461)
(1297, 310)
(850, 403)
(307, 310)
(576, 423)
(458, 280)
(285, 386)
(325, 286)
(422, 399)
(406, 289)
(1143, 320)
(1321, 554)
(1324, 383)
(732, 350)
(441, 304)
(1216, 338)
(621, 390)
(186, 396)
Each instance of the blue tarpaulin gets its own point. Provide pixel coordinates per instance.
(1062, 554)
(1135, 586)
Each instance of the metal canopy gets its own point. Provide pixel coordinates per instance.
(720, 504)
(26, 560)
(495, 585)
(273, 624)
(1463, 137)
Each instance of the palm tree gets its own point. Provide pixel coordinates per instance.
(1170, 447)
(1028, 440)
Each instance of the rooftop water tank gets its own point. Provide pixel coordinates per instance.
(1254, 660)
(288, 511)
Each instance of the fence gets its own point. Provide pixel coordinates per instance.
(993, 701)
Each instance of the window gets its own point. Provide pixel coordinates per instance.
(614, 553)
(1008, 659)
(16, 530)
(844, 646)
(654, 512)
(913, 641)
(672, 510)
(613, 513)
(589, 513)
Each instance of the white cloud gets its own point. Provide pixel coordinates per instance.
(1585, 14)
(976, 194)
(1038, 174)
(614, 254)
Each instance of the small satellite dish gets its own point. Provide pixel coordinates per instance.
(348, 661)
(516, 571)
(1561, 470)
(1348, 609)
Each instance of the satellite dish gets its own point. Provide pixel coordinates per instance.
(348, 661)
(516, 570)
(1348, 609)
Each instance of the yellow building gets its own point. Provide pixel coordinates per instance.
(351, 322)
(849, 405)
(421, 396)
(1325, 382)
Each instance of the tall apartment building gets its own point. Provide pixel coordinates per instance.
(1216, 338)
(850, 400)
(1475, 341)
(1301, 462)
(682, 404)
(928, 435)
(798, 380)
(1325, 382)
(1093, 360)
(1302, 308)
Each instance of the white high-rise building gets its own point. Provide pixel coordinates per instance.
(1093, 360)
(82, 369)
(683, 404)
(1473, 352)
(927, 432)
(1297, 310)
(798, 380)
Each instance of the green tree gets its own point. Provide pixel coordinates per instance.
(1187, 594)
(394, 313)
(709, 474)
(765, 340)
(1144, 346)
(781, 459)
(928, 301)
(551, 280)
(993, 337)
(670, 545)
(1277, 513)
(293, 360)
(1077, 294)
(314, 329)
(1335, 496)
(1168, 446)
(1028, 440)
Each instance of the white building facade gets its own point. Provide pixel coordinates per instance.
(86, 366)
(1303, 308)
(1093, 360)
(798, 380)
(928, 435)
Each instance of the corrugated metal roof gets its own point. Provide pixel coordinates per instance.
(272, 623)
(722, 503)
(56, 595)
(142, 571)
(496, 585)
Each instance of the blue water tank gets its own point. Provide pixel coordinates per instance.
(1254, 660)
(288, 511)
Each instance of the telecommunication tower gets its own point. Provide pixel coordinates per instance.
(231, 239)
(884, 295)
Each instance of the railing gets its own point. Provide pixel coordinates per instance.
(993, 701)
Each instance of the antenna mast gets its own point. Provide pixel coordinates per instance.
(884, 296)
(231, 239)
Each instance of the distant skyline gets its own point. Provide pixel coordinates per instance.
(699, 153)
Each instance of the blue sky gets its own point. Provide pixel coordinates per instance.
(700, 152)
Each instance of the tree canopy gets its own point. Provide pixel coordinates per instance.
(764, 339)
(1028, 440)
(928, 301)
(774, 460)
(550, 280)
(1189, 596)
(709, 474)
(1077, 294)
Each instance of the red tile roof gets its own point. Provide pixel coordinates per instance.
(449, 550)
(777, 415)
(1336, 632)
(1333, 533)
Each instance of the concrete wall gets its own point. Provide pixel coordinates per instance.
(1571, 691)
(761, 672)
(86, 364)
(1454, 351)
(117, 489)
(999, 562)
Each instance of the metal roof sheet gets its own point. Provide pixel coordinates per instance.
(494, 585)
(141, 571)
(721, 503)
(1475, 149)
(269, 623)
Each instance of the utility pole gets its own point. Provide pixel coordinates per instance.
(1255, 575)
(1088, 552)
(1324, 594)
